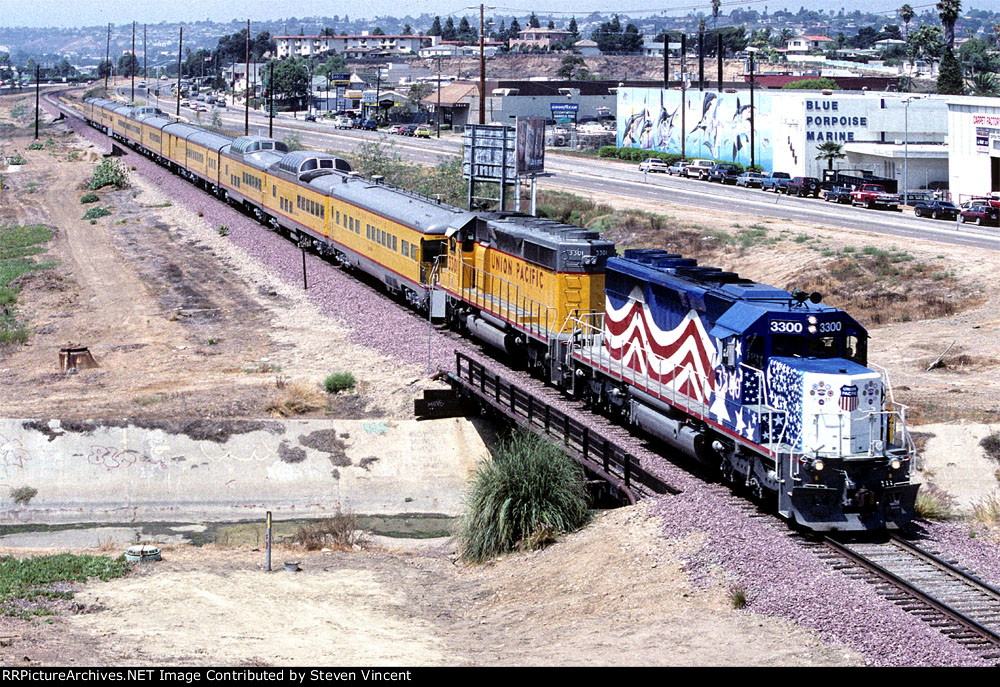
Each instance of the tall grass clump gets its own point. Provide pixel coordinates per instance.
(530, 488)
(991, 445)
(934, 503)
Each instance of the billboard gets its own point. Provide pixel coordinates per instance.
(717, 124)
(530, 145)
(489, 153)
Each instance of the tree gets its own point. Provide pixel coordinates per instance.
(926, 43)
(435, 29)
(407, 30)
(103, 69)
(574, 30)
(716, 4)
(514, 31)
(974, 56)
(334, 64)
(574, 67)
(950, 80)
(906, 13)
(533, 21)
(830, 151)
(552, 24)
(985, 84)
(949, 11)
(378, 31)
(128, 65)
(291, 79)
(448, 33)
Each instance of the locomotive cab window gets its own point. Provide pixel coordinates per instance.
(856, 349)
(823, 347)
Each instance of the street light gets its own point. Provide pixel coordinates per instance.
(906, 144)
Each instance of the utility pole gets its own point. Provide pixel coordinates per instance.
(438, 111)
(37, 94)
(131, 64)
(482, 64)
(683, 95)
(666, 60)
(145, 64)
(107, 59)
(719, 50)
(180, 51)
(752, 146)
(701, 60)
(246, 115)
(270, 110)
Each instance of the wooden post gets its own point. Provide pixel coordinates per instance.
(37, 94)
(107, 59)
(246, 116)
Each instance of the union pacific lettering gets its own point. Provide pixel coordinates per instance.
(516, 270)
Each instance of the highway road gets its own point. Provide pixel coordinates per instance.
(584, 175)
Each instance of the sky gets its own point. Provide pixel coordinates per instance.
(70, 13)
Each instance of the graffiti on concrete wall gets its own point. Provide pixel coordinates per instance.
(13, 456)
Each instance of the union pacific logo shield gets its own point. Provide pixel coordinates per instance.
(849, 397)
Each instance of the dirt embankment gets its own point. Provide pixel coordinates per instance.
(180, 322)
(613, 594)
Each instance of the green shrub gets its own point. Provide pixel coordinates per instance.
(23, 581)
(16, 160)
(991, 445)
(934, 503)
(530, 490)
(89, 198)
(339, 381)
(35, 146)
(110, 172)
(95, 212)
(813, 85)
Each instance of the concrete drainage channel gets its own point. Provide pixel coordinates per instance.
(55, 472)
(399, 529)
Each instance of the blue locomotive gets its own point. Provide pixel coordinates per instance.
(770, 386)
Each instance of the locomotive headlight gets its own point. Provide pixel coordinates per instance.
(817, 465)
(895, 464)
(812, 319)
(812, 329)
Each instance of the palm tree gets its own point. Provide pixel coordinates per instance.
(830, 151)
(949, 11)
(716, 4)
(985, 84)
(906, 13)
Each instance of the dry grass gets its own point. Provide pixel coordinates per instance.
(934, 503)
(339, 532)
(987, 510)
(296, 398)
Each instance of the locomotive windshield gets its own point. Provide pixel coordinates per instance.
(789, 346)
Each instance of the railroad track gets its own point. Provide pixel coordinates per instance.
(948, 598)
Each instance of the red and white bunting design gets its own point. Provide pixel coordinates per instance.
(680, 358)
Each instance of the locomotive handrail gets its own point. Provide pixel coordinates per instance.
(500, 290)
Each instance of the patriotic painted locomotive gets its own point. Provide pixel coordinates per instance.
(770, 387)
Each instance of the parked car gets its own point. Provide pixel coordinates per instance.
(775, 181)
(653, 164)
(698, 169)
(750, 179)
(875, 196)
(724, 172)
(839, 194)
(936, 209)
(343, 122)
(803, 186)
(410, 129)
(979, 212)
(677, 168)
(424, 131)
(310, 118)
(369, 125)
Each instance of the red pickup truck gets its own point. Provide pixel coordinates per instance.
(874, 195)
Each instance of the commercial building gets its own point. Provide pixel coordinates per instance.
(363, 45)
(974, 146)
(893, 135)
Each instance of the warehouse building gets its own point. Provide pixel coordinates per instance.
(895, 135)
(974, 146)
